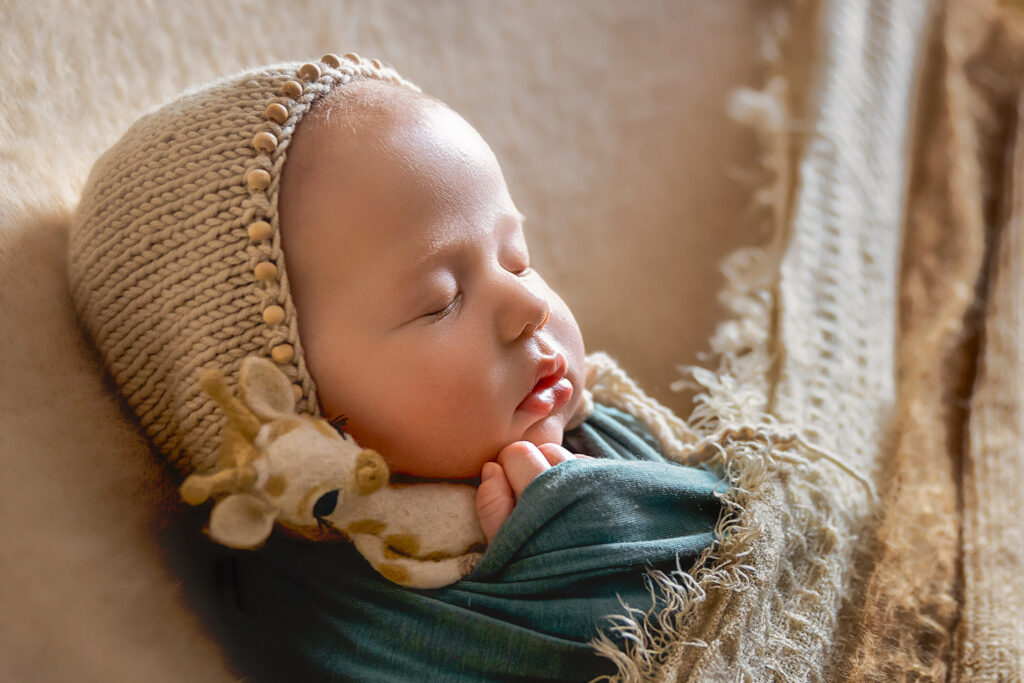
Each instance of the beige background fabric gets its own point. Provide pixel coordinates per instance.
(608, 119)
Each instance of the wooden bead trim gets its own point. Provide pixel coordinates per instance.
(273, 315)
(265, 270)
(292, 89)
(282, 353)
(266, 143)
(258, 179)
(309, 71)
(260, 230)
(276, 112)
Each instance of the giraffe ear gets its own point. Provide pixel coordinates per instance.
(265, 389)
(371, 471)
(242, 520)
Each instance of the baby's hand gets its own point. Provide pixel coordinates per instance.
(503, 481)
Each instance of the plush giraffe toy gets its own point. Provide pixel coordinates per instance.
(275, 465)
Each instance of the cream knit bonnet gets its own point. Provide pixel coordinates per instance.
(175, 260)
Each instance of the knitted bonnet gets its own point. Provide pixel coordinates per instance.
(175, 260)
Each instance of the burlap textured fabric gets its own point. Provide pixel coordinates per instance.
(175, 260)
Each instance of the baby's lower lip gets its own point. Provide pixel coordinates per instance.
(548, 400)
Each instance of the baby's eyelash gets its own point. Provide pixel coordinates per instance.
(437, 315)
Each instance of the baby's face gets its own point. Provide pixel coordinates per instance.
(420, 316)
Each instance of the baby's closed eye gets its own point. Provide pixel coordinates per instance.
(446, 309)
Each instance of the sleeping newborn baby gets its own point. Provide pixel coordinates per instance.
(424, 323)
(358, 232)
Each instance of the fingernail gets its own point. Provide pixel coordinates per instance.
(487, 472)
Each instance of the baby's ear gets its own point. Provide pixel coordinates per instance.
(265, 389)
(242, 520)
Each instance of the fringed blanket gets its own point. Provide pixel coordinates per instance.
(879, 539)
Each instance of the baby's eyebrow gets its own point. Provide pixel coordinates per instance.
(440, 250)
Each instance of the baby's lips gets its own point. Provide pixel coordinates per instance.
(548, 400)
(549, 371)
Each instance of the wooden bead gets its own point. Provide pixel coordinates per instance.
(282, 353)
(291, 89)
(265, 270)
(353, 57)
(331, 59)
(273, 315)
(276, 112)
(260, 230)
(297, 392)
(376, 63)
(309, 71)
(258, 179)
(264, 141)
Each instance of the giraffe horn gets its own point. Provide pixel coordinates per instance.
(243, 419)
(198, 487)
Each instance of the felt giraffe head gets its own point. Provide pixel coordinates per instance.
(277, 466)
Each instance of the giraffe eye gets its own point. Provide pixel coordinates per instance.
(325, 504)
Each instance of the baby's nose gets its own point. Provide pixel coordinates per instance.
(529, 315)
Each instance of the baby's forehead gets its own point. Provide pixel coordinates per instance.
(364, 105)
(385, 185)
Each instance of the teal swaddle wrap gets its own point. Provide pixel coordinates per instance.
(581, 537)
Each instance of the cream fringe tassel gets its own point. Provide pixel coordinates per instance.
(729, 428)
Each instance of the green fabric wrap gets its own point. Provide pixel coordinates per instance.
(580, 538)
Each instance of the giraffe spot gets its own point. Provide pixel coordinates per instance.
(324, 428)
(394, 572)
(401, 545)
(437, 556)
(281, 427)
(275, 485)
(366, 526)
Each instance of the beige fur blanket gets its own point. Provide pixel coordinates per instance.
(605, 115)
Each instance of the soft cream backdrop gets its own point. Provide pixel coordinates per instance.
(608, 119)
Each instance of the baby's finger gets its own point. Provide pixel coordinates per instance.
(554, 453)
(494, 500)
(522, 462)
(558, 454)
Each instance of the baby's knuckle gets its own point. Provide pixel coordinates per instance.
(493, 502)
(517, 449)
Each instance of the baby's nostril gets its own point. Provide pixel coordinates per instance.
(325, 504)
